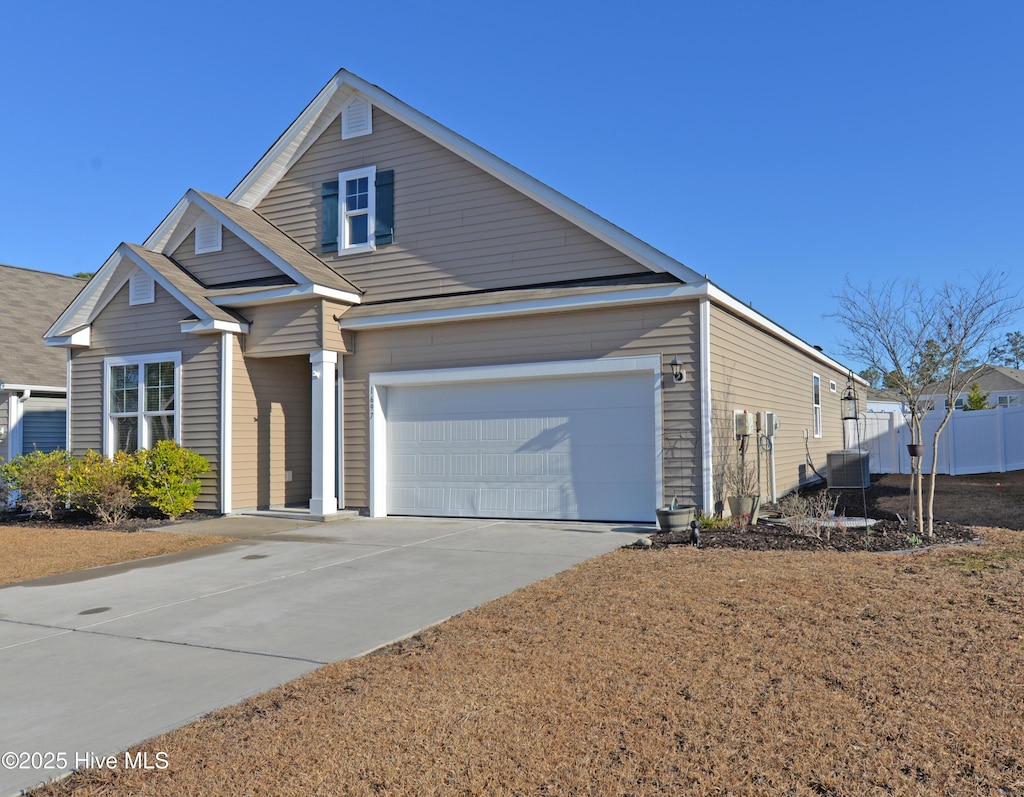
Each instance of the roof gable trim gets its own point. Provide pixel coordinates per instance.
(290, 146)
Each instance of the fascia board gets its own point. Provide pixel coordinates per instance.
(81, 311)
(526, 307)
(289, 146)
(8, 387)
(157, 241)
(735, 306)
(286, 294)
(257, 246)
(200, 327)
(165, 284)
(698, 291)
(79, 339)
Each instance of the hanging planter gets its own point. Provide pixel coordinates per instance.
(915, 449)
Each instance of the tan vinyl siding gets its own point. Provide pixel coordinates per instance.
(271, 431)
(293, 328)
(667, 330)
(456, 227)
(289, 328)
(123, 330)
(755, 371)
(236, 262)
(333, 338)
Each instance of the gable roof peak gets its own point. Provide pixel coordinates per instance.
(321, 112)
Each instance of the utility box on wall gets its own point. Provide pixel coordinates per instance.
(745, 424)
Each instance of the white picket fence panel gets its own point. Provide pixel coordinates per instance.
(980, 441)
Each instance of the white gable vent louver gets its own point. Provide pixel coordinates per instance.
(140, 288)
(208, 235)
(356, 118)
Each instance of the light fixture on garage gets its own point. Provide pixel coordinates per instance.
(678, 374)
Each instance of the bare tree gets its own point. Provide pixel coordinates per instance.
(967, 317)
(919, 337)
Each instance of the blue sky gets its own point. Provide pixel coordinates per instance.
(776, 147)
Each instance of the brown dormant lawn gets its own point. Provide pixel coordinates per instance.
(29, 551)
(670, 672)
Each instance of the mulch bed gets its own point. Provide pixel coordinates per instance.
(886, 535)
(82, 521)
(961, 504)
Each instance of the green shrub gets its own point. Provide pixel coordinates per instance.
(713, 521)
(106, 488)
(5, 491)
(40, 480)
(170, 477)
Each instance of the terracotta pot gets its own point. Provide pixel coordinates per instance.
(677, 519)
(915, 449)
(745, 505)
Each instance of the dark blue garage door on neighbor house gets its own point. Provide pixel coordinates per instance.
(44, 424)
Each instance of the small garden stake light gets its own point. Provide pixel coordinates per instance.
(848, 403)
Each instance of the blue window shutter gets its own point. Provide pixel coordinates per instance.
(329, 205)
(384, 224)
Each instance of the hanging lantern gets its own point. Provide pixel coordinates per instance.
(849, 402)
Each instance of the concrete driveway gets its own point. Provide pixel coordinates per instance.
(96, 661)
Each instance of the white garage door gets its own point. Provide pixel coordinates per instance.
(579, 448)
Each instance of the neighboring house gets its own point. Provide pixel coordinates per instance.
(1005, 386)
(884, 400)
(382, 315)
(33, 378)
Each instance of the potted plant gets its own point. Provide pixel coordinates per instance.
(675, 516)
(743, 490)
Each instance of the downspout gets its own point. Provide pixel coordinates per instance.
(707, 469)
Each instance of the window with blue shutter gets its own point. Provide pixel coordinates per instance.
(384, 225)
(329, 206)
(346, 207)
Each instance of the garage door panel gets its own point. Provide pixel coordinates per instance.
(569, 448)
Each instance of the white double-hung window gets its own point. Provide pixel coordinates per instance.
(141, 401)
(357, 204)
(816, 403)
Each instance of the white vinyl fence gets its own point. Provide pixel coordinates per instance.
(979, 441)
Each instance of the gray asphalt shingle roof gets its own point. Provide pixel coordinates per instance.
(29, 301)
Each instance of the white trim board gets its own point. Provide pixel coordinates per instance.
(380, 381)
(703, 290)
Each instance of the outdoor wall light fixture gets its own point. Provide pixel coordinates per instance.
(678, 374)
(849, 402)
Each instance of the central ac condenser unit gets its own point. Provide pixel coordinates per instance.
(849, 469)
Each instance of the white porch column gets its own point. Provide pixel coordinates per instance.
(324, 498)
(15, 413)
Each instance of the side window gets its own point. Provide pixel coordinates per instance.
(141, 401)
(816, 403)
(357, 211)
(357, 195)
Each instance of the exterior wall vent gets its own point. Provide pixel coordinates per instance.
(848, 469)
(356, 118)
(140, 288)
(208, 235)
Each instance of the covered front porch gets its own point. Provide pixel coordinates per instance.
(285, 435)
